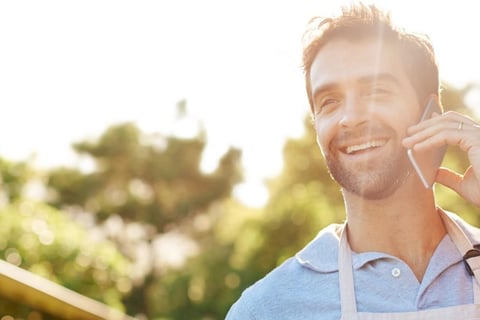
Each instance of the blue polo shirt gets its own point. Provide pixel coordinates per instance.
(306, 286)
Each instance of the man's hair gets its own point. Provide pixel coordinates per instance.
(363, 22)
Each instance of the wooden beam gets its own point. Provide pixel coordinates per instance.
(17, 284)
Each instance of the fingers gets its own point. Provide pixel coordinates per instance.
(449, 120)
(454, 129)
(450, 128)
(449, 179)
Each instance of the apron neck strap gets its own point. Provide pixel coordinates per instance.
(465, 246)
(345, 275)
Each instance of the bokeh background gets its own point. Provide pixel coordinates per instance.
(158, 156)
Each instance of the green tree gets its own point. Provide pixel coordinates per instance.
(13, 177)
(153, 179)
(154, 184)
(46, 242)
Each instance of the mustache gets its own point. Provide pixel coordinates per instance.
(344, 136)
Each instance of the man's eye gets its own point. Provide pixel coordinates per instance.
(329, 101)
(326, 104)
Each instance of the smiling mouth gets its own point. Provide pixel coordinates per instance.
(364, 146)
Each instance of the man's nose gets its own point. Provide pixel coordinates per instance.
(355, 112)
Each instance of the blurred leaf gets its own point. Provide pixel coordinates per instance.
(43, 240)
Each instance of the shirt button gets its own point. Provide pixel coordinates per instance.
(396, 272)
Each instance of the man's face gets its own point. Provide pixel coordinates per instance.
(363, 104)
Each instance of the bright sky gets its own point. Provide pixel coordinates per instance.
(70, 69)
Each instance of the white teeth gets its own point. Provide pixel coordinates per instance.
(366, 145)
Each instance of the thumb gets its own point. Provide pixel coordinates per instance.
(449, 178)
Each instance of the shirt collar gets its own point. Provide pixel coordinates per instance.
(321, 254)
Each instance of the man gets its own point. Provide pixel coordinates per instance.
(397, 256)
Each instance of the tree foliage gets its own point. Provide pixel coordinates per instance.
(13, 177)
(153, 179)
(45, 241)
(155, 183)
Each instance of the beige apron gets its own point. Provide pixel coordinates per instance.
(461, 312)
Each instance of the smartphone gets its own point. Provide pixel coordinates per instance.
(426, 163)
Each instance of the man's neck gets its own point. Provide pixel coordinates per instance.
(406, 226)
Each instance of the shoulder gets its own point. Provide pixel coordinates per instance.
(306, 283)
(257, 301)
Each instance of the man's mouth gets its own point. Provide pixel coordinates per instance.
(352, 149)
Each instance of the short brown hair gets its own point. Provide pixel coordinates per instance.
(360, 22)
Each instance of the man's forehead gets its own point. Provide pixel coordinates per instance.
(342, 60)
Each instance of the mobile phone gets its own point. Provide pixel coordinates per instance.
(426, 163)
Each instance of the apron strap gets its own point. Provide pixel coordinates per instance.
(345, 276)
(471, 256)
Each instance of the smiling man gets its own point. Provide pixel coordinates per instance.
(398, 255)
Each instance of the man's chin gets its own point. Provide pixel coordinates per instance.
(370, 195)
(373, 181)
(373, 187)
(369, 192)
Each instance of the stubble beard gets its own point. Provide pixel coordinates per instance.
(372, 180)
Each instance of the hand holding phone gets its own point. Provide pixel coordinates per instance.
(426, 163)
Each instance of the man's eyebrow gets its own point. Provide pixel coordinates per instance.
(325, 87)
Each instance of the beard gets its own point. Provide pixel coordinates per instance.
(374, 179)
